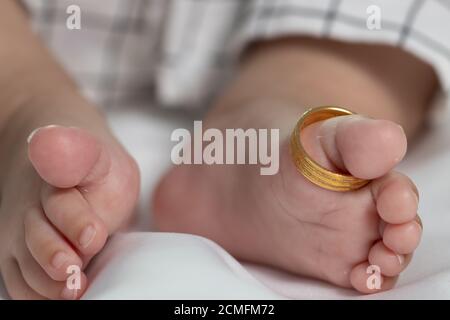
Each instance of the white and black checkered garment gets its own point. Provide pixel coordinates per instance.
(177, 52)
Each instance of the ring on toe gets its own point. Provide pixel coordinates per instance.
(310, 169)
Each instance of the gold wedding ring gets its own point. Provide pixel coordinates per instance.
(309, 168)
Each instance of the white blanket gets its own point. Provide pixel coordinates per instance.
(148, 265)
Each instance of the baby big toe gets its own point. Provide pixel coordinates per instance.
(366, 148)
(390, 263)
(70, 213)
(48, 247)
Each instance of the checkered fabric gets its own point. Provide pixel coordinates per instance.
(178, 52)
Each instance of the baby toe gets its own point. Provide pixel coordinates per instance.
(389, 262)
(367, 278)
(396, 197)
(63, 156)
(15, 284)
(369, 148)
(48, 247)
(366, 148)
(403, 238)
(45, 286)
(70, 213)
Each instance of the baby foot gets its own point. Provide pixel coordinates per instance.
(58, 208)
(286, 221)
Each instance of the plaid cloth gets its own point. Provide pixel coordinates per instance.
(179, 52)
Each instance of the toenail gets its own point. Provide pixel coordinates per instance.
(416, 198)
(38, 129)
(400, 259)
(59, 259)
(419, 222)
(68, 294)
(87, 236)
(401, 128)
(32, 134)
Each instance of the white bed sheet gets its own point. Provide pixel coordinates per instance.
(147, 265)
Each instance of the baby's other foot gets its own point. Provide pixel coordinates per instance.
(59, 207)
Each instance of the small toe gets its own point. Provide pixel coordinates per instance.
(391, 264)
(41, 283)
(15, 284)
(402, 238)
(396, 197)
(47, 246)
(71, 214)
(368, 279)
